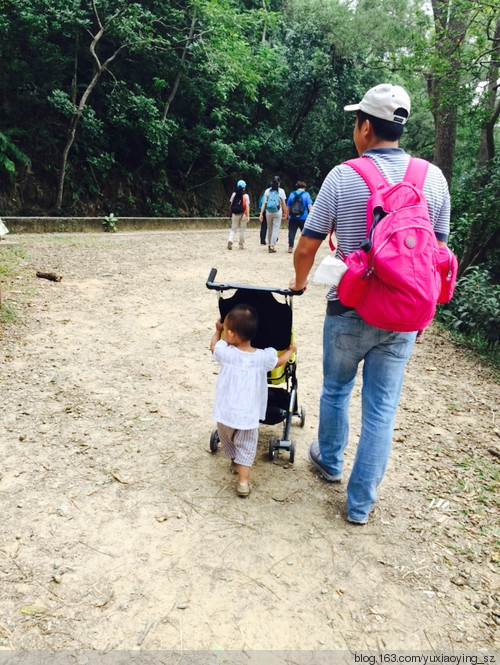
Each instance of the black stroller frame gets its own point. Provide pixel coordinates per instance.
(275, 329)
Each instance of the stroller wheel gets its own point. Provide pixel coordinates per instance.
(292, 452)
(214, 441)
(302, 417)
(272, 447)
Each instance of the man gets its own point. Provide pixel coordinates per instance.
(297, 221)
(347, 339)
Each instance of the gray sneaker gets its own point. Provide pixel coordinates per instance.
(315, 459)
(357, 522)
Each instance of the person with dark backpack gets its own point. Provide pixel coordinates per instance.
(349, 339)
(240, 214)
(299, 205)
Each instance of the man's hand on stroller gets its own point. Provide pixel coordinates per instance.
(293, 285)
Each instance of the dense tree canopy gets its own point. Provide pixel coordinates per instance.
(157, 107)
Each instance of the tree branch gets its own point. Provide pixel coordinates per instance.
(180, 69)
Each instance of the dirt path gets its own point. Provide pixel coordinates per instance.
(120, 530)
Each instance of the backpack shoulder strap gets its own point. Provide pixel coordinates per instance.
(416, 172)
(370, 173)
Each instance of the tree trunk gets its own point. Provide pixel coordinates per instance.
(487, 141)
(481, 238)
(445, 130)
(99, 70)
(71, 137)
(64, 160)
(304, 112)
(443, 84)
(180, 69)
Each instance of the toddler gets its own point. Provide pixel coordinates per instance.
(241, 391)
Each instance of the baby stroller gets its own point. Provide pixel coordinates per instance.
(275, 329)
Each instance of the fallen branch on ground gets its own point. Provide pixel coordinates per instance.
(49, 275)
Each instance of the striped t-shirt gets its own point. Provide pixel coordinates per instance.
(341, 201)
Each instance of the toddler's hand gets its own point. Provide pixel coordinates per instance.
(293, 348)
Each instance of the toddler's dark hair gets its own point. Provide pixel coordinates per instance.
(244, 321)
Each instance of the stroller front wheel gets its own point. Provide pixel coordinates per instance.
(302, 417)
(292, 452)
(214, 441)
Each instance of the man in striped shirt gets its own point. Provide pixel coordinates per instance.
(347, 339)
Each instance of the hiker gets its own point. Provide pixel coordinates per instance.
(274, 205)
(263, 221)
(240, 214)
(299, 205)
(347, 339)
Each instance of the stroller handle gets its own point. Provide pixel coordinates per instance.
(225, 287)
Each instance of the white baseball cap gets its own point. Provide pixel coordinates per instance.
(382, 101)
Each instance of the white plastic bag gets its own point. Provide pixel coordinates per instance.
(3, 229)
(329, 271)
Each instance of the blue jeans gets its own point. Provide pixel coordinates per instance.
(347, 340)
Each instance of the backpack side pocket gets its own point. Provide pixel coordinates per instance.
(354, 281)
(448, 268)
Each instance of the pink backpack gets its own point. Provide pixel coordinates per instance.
(400, 273)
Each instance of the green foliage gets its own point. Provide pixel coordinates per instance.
(476, 487)
(60, 102)
(10, 154)
(109, 223)
(475, 219)
(12, 261)
(475, 309)
(205, 91)
(483, 480)
(8, 313)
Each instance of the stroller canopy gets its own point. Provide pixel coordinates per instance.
(275, 318)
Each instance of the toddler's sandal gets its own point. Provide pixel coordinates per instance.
(243, 490)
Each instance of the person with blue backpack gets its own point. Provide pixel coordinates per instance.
(349, 340)
(299, 205)
(274, 207)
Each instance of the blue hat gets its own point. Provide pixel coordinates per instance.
(241, 183)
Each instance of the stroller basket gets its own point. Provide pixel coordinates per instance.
(276, 330)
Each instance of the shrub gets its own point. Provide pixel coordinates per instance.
(475, 220)
(109, 223)
(475, 308)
